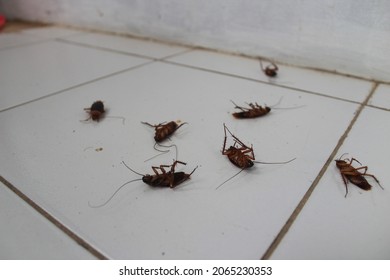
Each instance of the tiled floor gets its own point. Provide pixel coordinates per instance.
(54, 167)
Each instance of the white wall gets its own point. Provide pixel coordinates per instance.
(350, 36)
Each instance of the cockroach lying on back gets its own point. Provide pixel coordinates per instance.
(164, 130)
(270, 70)
(255, 110)
(352, 174)
(97, 111)
(241, 155)
(164, 178)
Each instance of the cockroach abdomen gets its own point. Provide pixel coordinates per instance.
(97, 106)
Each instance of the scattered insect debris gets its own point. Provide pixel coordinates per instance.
(97, 111)
(256, 111)
(164, 130)
(270, 70)
(165, 178)
(97, 149)
(352, 174)
(241, 155)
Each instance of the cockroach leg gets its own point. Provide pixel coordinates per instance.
(163, 151)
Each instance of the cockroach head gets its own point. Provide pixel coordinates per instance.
(340, 163)
(147, 179)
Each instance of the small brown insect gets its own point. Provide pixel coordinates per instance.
(163, 178)
(96, 111)
(270, 70)
(254, 111)
(352, 174)
(241, 155)
(164, 130)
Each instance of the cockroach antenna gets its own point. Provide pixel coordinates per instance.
(163, 151)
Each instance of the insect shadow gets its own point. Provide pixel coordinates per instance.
(161, 178)
(97, 112)
(353, 174)
(241, 155)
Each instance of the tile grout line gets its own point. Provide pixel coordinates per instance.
(107, 49)
(379, 108)
(76, 86)
(85, 45)
(164, 60)
(275, 243)
(54, 221)
(194, 48)
(260, 81)
(23, 45)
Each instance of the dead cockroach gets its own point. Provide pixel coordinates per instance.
(241, 155)
(270, 70)
(164, 130)
(165, 178)
(352, 174)
(97, 111)
(255, 110)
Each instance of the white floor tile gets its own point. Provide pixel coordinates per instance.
(25, 234)
(331, 226)
(128, 45)
(37, 70)
(8, 40)
(56, 160)
(381, 97)
(308, 80)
